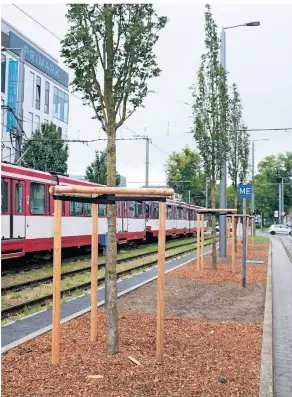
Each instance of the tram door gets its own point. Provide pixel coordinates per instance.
(12, 208)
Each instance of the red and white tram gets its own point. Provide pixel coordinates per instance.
(27, 215)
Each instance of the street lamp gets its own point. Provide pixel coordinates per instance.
(281, 199)
(223, 181)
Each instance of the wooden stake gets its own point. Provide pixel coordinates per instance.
(57, 282)
(203, 238)
(94, 271)
(160, 284)
(252, 230)
(198, 241)
(233, 243)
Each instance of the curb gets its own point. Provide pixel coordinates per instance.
(86, 310)
(266, 374)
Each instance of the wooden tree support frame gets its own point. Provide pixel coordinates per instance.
(104, 195)
(200, 236)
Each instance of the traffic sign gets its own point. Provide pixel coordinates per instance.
(276, 214)
(245, 191)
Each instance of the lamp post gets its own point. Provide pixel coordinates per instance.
(223, 181)
(252, 173)
(281, 199)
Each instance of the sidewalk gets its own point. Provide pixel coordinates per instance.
(282, 320)
(34, 325)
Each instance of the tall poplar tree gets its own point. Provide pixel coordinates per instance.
(211, 113)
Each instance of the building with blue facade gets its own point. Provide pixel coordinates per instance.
(45, 89)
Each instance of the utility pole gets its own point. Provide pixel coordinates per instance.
(206, 193)
(243, 244)
(223, 181)
(147, 161)
(280, 204)
(283, 201)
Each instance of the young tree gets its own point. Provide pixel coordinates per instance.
(211, 113)
(110, 49)
(239, 144)
(45, 151)
(184, 172)
(97, 172)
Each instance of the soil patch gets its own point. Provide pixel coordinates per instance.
(197, 354)
(187, 298)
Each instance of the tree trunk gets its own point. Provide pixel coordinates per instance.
(235, 206)
(213, 205)
(111, 290)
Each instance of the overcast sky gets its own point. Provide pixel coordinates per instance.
(259, 61)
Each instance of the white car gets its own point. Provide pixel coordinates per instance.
(280, 229)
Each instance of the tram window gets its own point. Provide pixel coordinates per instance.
(168, 212)
(147, 209)
(76, 208)
(37, 198)
(179, 213)
(102, 210)
(87, 209)
(138, 210)
(132, 209)
(4, 197)
(19, 198)
(155, 210)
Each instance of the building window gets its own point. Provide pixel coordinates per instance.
(38, 93)
(37, 122)
(3, 72)
(19, 198)
(2, 118)
(4, 197)
(31, 84)
(30, 122)
(60, 132)
(47, 97)
(37, 198)
(46, 121)
(61, 105)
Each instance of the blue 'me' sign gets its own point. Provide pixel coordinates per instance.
(245, 191)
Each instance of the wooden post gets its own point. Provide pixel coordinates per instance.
(57, 281)
(160, 284)
(198, 241)
(233, 243)
(252, 229)
(247, 226)
(203, 241)
(94, 271)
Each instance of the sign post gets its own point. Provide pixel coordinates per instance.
(244, 192)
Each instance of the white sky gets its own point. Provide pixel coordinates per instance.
(259, 61)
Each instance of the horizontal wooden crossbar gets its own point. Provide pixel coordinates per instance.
(100, 190)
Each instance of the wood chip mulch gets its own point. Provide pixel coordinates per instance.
(201, 359)
(255, 273)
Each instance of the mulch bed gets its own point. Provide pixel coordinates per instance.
(197, 354)
(213, 330)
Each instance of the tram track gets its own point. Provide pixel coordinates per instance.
(287, 244)
(18, 308)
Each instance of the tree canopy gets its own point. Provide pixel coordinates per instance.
(96, 172)
(45, 151)
(184, 172)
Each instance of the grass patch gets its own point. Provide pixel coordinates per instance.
(262, 239)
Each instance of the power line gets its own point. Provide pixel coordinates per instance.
(44, 27)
